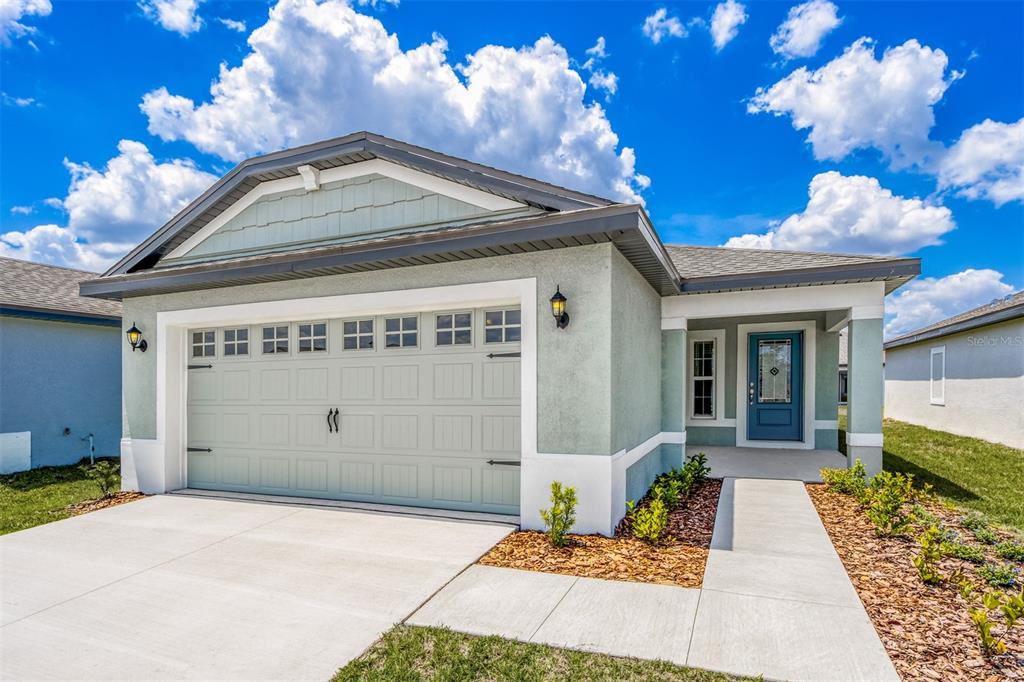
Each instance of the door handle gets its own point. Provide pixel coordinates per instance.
(329, 427)
(750, 393)
(336, 413)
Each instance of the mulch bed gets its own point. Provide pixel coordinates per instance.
(678, 559)
(925, 629)
(104, 502)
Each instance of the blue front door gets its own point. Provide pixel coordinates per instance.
(775, 386)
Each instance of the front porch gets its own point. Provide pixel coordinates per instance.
(775, 463)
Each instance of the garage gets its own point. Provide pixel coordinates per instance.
(418, 408)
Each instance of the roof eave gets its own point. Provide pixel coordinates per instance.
(895, 273)
(994, 317)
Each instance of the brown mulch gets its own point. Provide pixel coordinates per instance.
(925, 629)
(104, 502)
(678, 559)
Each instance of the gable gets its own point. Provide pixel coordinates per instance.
(356, 202)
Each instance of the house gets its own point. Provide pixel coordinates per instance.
(364, 319)
(60, 368)
(964, 375)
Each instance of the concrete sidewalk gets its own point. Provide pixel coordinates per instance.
(776, 601)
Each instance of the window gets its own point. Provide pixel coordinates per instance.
(774, 371)
(843, 386)
(275, 339)
(312, 337)
(704, 379)
(400, 332)
(455, 329)
(236, 342)
(938, 376)
(204, 344)
(357, 335)
(501, 326)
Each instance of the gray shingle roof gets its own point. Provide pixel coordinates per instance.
(48, 288)
(712, 261)
(999, 310)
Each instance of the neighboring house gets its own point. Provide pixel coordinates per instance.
(60, 368)
(364, 319)
(964, 375)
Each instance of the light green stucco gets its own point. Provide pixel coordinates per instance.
(711, 435)
(673, 355)
(865, 376)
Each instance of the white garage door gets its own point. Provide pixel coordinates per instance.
(418, 409)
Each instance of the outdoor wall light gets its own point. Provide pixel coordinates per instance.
(558, 309)
(135, 339)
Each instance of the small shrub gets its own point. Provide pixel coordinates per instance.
(1010, 550)
(105, 474)
(999, 575)
(889, 493)
(669, 490)
(990, 644)
(648, 522)
(699, 465)
(927, 560)
(560, 519)
(846, 481)
(925, 517)
(964, 585)
(1013, 609)
(986, 536)
(974, 521)
(963, 551)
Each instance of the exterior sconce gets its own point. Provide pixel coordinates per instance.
(135, 339)
(558, 309)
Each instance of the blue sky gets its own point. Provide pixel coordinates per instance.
(850, 126)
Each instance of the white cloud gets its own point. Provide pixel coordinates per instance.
(12, 101)
(54, 202)
(726, 21)
(859, 102)
(22, 210)
(174, 15)
(233, 24)
(855, 214)
(987, 162)
(924, 301)
(520, 109)
(598, 51)
(660, 25)
(604, 80)
(599, 78)
(110, 210)
(806, 25)
(11, 14)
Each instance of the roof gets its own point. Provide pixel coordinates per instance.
(33, 287)
(341, 151)
(706, 269)
(1000, 310)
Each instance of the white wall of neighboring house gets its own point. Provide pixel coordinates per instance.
(970, 384)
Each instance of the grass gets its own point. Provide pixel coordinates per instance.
(968, 472)
(32, 498)
(413, 653)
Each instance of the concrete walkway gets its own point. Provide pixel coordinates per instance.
(776, 601)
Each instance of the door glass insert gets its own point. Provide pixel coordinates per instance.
(774, 370)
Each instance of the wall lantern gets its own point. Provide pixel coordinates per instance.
(135, 339)
(558, 309)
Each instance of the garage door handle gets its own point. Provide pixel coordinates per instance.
(329, 427)
(506, 462)
(336, 413)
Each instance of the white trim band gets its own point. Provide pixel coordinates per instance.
(867, 440)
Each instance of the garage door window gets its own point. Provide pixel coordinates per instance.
(312, 337)
(236, 342)
(501, 326)
(275, 339)
(357, 335)
(401, 332)
(204, 344)
(455, 329)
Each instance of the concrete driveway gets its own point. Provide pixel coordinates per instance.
(202, 588)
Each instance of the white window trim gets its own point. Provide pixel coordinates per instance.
(503, 326)
(192, 345)
(312, 323)
(384, 332)
(718, 336)
(224, 343)
(288, 339)
(941, 400)
(475, 329)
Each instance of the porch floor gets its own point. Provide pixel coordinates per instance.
(798, 465)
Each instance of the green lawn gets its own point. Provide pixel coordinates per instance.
(31, 498)
(968, 472)
(413, 653)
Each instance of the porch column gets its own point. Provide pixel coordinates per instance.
(673, 392)
(865, 389)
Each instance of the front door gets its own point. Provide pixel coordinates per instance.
(775, 386)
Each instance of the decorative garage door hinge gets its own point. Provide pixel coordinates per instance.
(200, 366)
(506, 462)
(198, 449)
(516, 354)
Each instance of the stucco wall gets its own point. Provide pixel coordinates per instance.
(574, 365)
(57, 375)
(984, 393)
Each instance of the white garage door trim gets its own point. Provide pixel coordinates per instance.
(172, 346)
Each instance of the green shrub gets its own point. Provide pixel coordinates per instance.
(927, 560)
(560, 519)
(846, 481)
(1013, 609)
(698, 464)
(986, 536)
(888, 495)
(648, 522)
(990, 644)
(105, 474)
(963, 551)
(1010, 550)
(669, 490)
(974, 521)
(925, 517)
(694, 472)
(997, 575)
